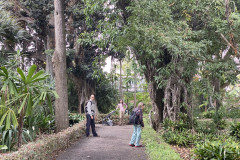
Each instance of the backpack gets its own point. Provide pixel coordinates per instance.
(134, 118)
(86, 111)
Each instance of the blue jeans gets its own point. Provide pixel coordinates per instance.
(136, 136)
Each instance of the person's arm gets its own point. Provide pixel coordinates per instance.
(141, 119)
(89, 108)
(125, 106)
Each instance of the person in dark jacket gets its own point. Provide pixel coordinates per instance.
(90, 113)
(137, 128)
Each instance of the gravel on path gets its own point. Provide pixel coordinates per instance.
(111, 145)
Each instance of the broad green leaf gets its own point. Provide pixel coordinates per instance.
(55, 94)
(5, 71)
(3, 147)
(11, 88)
(22, 105)
(4, 135)
(9, 137)
(35, 103)
(49, 102)
(2, 74)
(14, 119)
(21, 74)
(37, 75)
(4, 86)
(3, 118)
(39, 79)
(31, 71)
(44, 97)
(29, 106)
(8, 121)
(41, 97)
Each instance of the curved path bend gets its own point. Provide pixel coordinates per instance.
(111, 145)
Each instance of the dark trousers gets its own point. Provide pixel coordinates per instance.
(90, 122)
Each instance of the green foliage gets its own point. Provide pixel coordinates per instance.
(180, 125)
(10, 31)
(219, 120)
(206, 127)
(21, 95)
(155, 146)
(208, 114)
(235, 130)
(178, 138)
(106, 95)
(75, 118)
(220, 150)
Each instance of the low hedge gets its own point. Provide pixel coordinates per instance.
(47, 145)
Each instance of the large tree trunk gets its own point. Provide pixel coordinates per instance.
(59, 62)
(156, 96)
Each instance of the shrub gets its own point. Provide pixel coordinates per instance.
(75, 118)
(235, 130)
(220, 150)
(181, 124)
(208, 114)
(168, 124)
(182, 138)
(219, 121)
(206, 127)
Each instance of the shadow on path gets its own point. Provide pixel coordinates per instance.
(111, 145)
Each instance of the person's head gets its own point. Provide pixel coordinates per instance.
(141, 105)
(92, 97)
(121, 101)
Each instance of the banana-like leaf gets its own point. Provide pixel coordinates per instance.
(31, 71)
(21, 74)
(23, 104)
(5, 71)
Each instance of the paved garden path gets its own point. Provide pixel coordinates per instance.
(111, 145)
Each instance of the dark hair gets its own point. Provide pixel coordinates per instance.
(121, 100)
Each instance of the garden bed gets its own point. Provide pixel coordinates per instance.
(47, 146)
